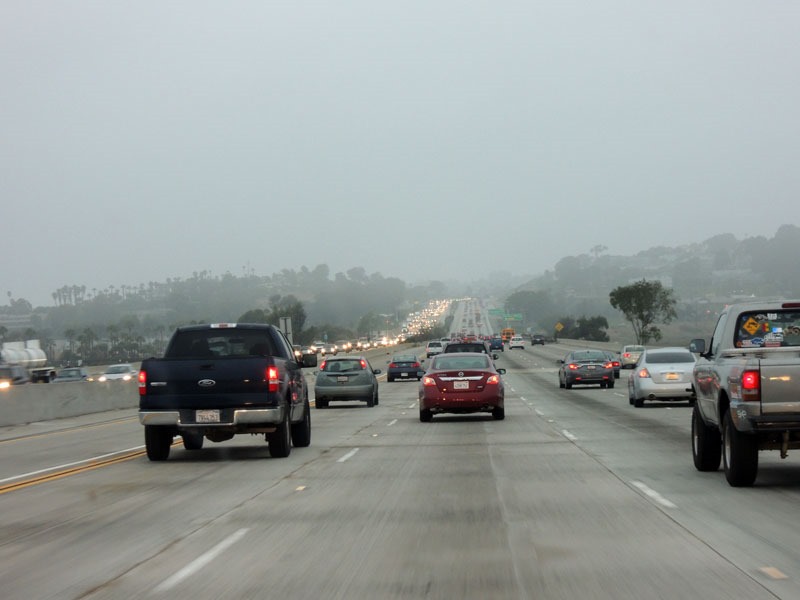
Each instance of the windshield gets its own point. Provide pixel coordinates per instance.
(768, 329)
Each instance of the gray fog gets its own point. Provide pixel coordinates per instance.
(147, 140)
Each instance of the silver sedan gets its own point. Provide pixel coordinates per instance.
(662, 374)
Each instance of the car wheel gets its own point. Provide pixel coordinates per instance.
(192, 441)
(560, 383)
(567, 385)
(377, 398)
(389, 379)
(638, 402)
(499, 413)
(157, 441)
(425, 415)
(280, 440)
(321, 403)
(610, 385)
(706, 444)
(301, 432)
(739, 455)
(371, 400)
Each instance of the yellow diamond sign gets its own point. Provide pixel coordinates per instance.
(750, 326)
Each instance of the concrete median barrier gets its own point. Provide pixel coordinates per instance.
(47, 401)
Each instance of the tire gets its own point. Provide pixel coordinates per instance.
(560, 383)
(280, 440)
(301, 432)
(389, 379)
(603, 385)
(371, 400)
(706, 444)
(610, 385)
(499, 413)
(321, 403)
(425, 415)
(192, 441)
(739, 455)
(567, 385)
(377, 398)
(638, 402)
(157, 441)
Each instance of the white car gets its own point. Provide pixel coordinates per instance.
(662, 374)
(433, 348)
(516, 342)
(123, 371)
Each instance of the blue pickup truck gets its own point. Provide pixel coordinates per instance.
(223, 379)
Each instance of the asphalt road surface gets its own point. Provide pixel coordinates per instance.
(576, 494)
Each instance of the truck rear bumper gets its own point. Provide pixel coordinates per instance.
(234, 417)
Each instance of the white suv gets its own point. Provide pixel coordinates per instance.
(516, 342)
(434, 347)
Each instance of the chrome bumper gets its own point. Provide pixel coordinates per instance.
(241, 416)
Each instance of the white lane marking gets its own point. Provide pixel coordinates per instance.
(538, 412)
(72, 464)
(653, 495)
(618, 394)
(392, 422)
(568, 435)
(413, 405)
(349, 455)
(200, 561)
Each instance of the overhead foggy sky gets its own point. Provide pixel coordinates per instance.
(146, 140)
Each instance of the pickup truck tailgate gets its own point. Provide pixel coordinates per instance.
(780, 378)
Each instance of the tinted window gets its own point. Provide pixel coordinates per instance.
(337, 366)
(588, 356)
(669, 357)
(215, 343)
(460, 362)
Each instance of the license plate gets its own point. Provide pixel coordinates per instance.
(590, 368)
(403, 374)
(207, 416)
(461, 385)
(342, 378)
(672, 377)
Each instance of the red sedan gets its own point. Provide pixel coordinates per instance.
(463, 382)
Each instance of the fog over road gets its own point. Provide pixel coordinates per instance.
(575, 494)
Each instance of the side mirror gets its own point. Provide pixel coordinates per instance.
(501, 371)
(495, 356)
(376, 371)
(697, 346)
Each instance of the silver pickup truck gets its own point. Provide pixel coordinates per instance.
(747, 384)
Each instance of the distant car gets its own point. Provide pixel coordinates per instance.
(615, 362)
(119, 372)
(328, 349)
(537, 338)
(346, 378)
(71, 374)
(343, 345)
(13, 375)
(516, 342)
(629, 355)
(496, 343)
(404, 366)
(662, 374)
(585, 367)
(433, 348)
(461, 382)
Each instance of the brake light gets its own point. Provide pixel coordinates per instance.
(415, 365)
(608, 365)
(392, 366)
(272, 378)
(751, 386)
(627, 355)
(428, 381)
(142, 383)
(493, 380)
(322, 366)
(363, 364)
(573, 366)
(643, 374)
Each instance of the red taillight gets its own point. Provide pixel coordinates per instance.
(392, 366)
(627, 355)
(142, 383)
(643, 374)
(415, 366)
(428, 381)
(751, 386)
(272, 378)
(322, 366)
(493, 380)
(363, 364)
(608, 365)
(573, 366)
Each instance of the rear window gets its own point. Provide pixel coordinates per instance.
(669, 357)
(449, 363)
(337, 366)
(217, 343)
(771, 329)
(588, 356)
(435, 344)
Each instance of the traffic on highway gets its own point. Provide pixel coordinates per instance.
(568, 493)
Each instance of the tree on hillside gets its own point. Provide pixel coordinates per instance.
(644, 304)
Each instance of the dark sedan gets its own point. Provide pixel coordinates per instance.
(462, 382)
(404, 366)
(586, 367)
